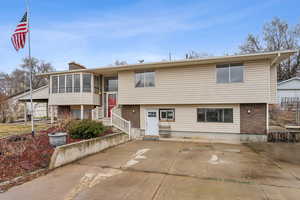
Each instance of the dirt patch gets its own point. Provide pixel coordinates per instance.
(283, 152)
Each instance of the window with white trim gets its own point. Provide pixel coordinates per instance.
(215, 115)
(54, 84)
(62, 83)
(145, 79)
(230, 73)
(69, 84)
(87, 84)
(77, 83)
(167, 114)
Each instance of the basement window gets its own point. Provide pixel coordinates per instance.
(224, 115)
(167, 114)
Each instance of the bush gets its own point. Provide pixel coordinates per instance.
(85, 129)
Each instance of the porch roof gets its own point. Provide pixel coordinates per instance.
(275, 57)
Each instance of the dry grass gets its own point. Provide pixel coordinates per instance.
(13, 129)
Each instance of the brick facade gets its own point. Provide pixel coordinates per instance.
(132, 113)
(253, 118)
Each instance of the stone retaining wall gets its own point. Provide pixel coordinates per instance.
(68, 153)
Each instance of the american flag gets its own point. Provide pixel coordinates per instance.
(18, 38)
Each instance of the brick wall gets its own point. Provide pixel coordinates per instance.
(132, 113)
(253, 118)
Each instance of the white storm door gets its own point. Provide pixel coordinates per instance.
(152, 122)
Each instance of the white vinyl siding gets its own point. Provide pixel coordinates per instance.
(197, 85)
(186, 119)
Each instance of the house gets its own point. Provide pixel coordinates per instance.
(20, 106)
(288, 91)
(209, 97)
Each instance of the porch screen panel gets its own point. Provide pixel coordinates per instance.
(69, 86)
(77, 83)
(62, 83)
(54, 84)
(87, 78)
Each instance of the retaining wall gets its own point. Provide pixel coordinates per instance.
(68, 153)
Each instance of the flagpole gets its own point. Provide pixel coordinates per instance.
(30, 65)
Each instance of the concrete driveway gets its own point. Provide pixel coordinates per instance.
(167, 170)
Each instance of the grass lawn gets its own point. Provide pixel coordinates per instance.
(13, 129)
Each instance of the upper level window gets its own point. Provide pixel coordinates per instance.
(167, 114)
(215, 115)
(111, 84)
(145, 79)
(87, 78)
(77, 83)
(62, 83)
(69, 83)
(54, 84)
(230, 73)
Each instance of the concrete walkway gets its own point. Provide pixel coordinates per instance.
(165, 170)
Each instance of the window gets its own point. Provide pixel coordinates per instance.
(87, 114)
(87, 78)
(76, 114)
(111, 84)
(145, 79)
(54, 84)
(97, 84)
(69, 84)
(167, 114)
(215, 115)
(151, 114)
(230, 73)
(77, 83)
(62, 83)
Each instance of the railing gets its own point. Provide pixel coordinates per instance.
(119, 122)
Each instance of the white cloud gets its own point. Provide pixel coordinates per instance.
(86, 39)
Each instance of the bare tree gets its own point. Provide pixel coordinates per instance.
(120, 62)
(3, 108)
(38, 67)
(195, 55)
(276, 35)
(18, 80)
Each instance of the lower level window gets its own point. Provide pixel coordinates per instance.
(215, 115)
(76, 114)
(167, 114)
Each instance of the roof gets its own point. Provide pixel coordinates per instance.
(37, 94)
(290, 84)
(276, 56)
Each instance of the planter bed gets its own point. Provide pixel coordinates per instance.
(23, 154)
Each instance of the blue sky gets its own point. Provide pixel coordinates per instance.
(95, 33)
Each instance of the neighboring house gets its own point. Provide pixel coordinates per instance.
(288, 91)
(20, 106)
(228, 94)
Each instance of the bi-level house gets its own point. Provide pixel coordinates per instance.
(200, 97)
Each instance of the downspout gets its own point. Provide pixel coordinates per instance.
(274, 63)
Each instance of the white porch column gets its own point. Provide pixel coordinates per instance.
(81, 112)
(52, 114)
(25, 112)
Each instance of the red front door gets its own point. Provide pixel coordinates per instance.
(112, 102)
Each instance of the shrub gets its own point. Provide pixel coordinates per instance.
(85, 129)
